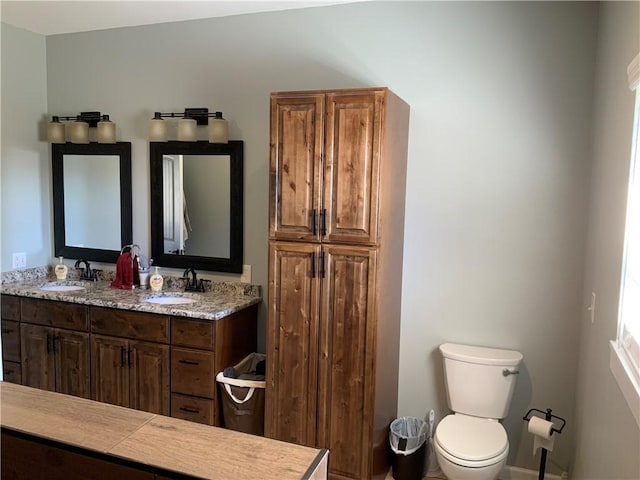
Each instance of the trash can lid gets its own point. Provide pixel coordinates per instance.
(471, 438)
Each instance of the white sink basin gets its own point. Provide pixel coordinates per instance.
(54, 287)
(170, 300)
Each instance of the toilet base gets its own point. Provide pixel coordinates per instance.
(454, 471)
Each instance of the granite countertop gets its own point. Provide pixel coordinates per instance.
(220, 300)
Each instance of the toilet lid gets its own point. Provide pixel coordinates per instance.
(471, 438)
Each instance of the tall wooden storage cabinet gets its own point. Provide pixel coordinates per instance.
(337, 193)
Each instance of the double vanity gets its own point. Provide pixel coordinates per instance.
(156, 352)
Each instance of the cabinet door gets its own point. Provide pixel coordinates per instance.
(109, 370)
(292, 342)
(38, 361)
(149, 365)
(345, 374)
(10, 341)
(72, 363)
(295, 170)
(351, 168)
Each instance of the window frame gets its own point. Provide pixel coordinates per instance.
(625, 350)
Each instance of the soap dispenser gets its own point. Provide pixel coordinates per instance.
(61, 270)
(155, 281)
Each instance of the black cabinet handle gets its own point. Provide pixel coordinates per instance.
(314, 221)
(322, 265)
(313, 264)
(54, 339)
(188, 362)
(323, 217)
(189, 410)
(6, 330)
(122, 354)
(48, 343)
(129, 357)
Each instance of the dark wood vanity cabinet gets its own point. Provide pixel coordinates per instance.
(156, 363)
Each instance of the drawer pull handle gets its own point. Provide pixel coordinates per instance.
(189, 410)
(188, 362)
(7, 330)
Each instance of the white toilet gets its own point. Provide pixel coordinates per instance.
(471, 444)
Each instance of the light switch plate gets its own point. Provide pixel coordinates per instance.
(246, 274)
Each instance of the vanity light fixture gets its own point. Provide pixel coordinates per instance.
(188, 125)
(79, 128)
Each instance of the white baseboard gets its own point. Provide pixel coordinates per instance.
(517, 473)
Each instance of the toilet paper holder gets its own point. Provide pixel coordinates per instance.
(548, 417)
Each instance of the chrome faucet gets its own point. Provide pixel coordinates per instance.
(87, 273)
(192, 284)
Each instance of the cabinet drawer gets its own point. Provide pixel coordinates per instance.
(192, 372)
(191, 333)
(10, 308)
(12, 372)
(54, 314)
(134, 325)
(10, 341)
(191, 408)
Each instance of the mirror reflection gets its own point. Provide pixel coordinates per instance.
(91, 200)
(92, 206)
(196, 205)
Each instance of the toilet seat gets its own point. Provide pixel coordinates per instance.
(471, 441)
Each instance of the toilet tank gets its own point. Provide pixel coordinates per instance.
(475, 382)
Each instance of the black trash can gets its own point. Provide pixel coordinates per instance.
(242, 394)
(407, 439)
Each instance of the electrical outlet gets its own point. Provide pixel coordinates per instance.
(19, 260)
(246, 274)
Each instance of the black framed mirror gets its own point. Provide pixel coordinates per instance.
(197, 205)
(92, 213)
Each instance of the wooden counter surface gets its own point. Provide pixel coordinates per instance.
(66, 419)
(166, 443)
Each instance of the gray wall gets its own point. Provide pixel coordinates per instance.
(499, 159)
(24, 164)
(602, 417)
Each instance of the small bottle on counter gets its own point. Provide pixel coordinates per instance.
(155, 281)
(61, 270)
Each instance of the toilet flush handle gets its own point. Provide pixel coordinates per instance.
(506, 372)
